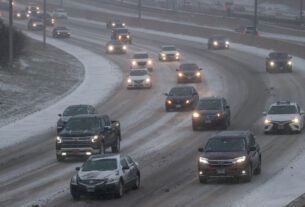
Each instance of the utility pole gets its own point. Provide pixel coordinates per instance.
(255, 13)
(301, 11)
(11, 33)
(140, 9)
(44, 21)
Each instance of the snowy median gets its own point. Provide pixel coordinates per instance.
(101, 79)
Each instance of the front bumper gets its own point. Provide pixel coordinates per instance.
(141, 65)
(99, 189)
(220, 46)
(62, 35)
(279, 66)
(116, 50)
(222, 171)
(208, 122)
(189, 78)
(139, 84)
(75, 152)
(179, 105)
(287, 126)
(170, 57)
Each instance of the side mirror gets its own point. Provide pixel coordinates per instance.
(77, 168)
(227, 107)
(265, 113)
(253, 148)
(200, 149)
(125, 168)
(60, 115)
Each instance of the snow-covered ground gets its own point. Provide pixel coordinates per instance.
(101, 78)
(274, 192)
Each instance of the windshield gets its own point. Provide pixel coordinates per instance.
(282, 110)
(100, 165)
(277, 55)
(83, 123)
(189, 67)
(138, 72)
(225, 145)
(75, 110)
(121, 31)
(169, 48)
(140, 56)
(219, 38)
(180, 92)
(209, 104)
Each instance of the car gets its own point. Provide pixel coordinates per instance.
(247, 30)
(189, 72)
(278, 61)
(73, 110)
(35, 24)
(139, 78)
(60, 13)
(21, 15)
(50, 21)
(109, 174)
(88, 134)
(122, 35)
(141, 60)
(218, 42)
(61, 32)
(181, 98)
(169, 53)
(32, 8)
(116, 47)
(230, 154)
(211, 111)
(284, 116)
(116, 23)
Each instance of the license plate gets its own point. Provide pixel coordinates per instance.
(280, 127)
(189, 77)
(208, 121)
(178, 106)
(221, 171)
(90, 190)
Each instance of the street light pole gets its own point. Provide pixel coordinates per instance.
(44, 21)
(255, 13)
(11, 32)
(301, 11)
(140, 9)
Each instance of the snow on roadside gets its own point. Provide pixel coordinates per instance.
(101, 78)
(288, 183)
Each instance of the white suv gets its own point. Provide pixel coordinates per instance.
(284, 116)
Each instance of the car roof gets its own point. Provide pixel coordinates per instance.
(284, 103)
(230, 134)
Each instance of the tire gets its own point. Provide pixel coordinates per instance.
(120, 190)
(137, 183)
(258, 169)
(248, 178)
(102, 150)
(116, 148)
(60, 158)
(203, 179)
(75, 194)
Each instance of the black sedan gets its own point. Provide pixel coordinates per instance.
(116, 47)
(21, 15)
(218, 42)
(211, 111)
(181, 98)
(188, 72)
(278, 61)
(61, 32)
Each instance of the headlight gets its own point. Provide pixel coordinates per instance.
(113, 24)
(128, 36)
(267, 121)
(169, 101)
(129, 80)
(289, 62)
(27, 15)
(110, 47)
(53, 21)
(149, 62)
(34, 25)
(240, 159)
(18, 14)
(271, 63)
(203, 160)
(120, 37)
(30, 12)
(177, 53)
(180, 74)
(123, 24)
(74, 180)
(227, 42)
(147, 80)
(187, 101)
(124, 47)
(296, 120)
(218, 114)
(198, 74)
(215, 43)
(94, 138)
(162, 54)
(134, 62)
(58, 140)
(37, 8)
(196, 115)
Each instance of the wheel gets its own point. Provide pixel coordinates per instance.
(102, 150)
(75, 194)
(60, 158)
(116, 148)
(248, 178)
(203, 179)
(258, 169)
(120, 190)
(137, 183)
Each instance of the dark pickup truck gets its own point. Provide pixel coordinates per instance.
(88, 134)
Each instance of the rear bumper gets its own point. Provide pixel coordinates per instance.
(102, 189)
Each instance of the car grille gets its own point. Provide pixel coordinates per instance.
(76, 142)
(221, 162)
(141, 63)
(138, 81)
(91, 182)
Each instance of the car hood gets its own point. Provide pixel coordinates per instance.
(222, 155)
(82, 133)
(179, 97)
(282, 117)
(138, 77)
(95, 175)
(169, 52)
(279, 59)
(208, 112)
(141, 60)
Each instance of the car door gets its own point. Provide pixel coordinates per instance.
(254, 155)
(127, 174)
(133, 168)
